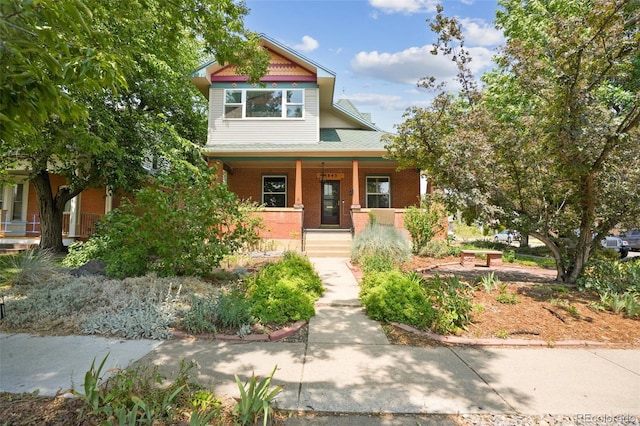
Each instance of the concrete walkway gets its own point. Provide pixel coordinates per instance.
(348, 366)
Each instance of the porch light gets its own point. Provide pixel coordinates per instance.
(322, 175)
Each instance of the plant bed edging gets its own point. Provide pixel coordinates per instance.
(454, 340)
(283, 333)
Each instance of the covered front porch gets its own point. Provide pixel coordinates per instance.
(300, 195)
(20, 223)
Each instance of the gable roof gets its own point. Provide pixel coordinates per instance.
(325, 79)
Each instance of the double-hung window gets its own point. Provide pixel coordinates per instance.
(274, 191)
(263, 103)
(12, 202)
(378, 192)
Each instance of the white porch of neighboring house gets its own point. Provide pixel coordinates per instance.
(20, 222)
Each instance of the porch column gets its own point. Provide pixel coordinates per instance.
(297, 203)
(74, 213)
(355, 198)
(108, 201)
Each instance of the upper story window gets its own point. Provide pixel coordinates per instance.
(263, 103)
(378, 192)
(274, 191)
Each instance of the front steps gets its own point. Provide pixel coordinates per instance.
(327, 243)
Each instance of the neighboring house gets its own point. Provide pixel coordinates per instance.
(284, 143)
(19, 219)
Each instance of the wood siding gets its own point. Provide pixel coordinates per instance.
(252, 131)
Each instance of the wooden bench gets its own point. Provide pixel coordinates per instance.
(467, 257)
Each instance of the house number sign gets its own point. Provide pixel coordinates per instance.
(331, 176)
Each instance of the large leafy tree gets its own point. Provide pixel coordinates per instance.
(550, 144)
(97, 90)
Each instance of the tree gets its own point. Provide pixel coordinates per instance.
(185, 225)
(108, 96)
(549, 146)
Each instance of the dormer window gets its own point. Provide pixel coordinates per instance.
(263, 103)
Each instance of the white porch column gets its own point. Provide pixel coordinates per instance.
(108, 201)
(74, 212)
(424, 185)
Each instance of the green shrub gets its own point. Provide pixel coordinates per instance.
(202, 315)
(281, 302)
(541, 251)
(452, 300)
(285, 291)
(424, 222)
(139, 395)
(377, 263)
(82, 252)
(384, 243)
(614, 277)
(229, 309)
(183, 224)
(617, 283)
(234, 309)
(294, 264)
(436, 248)
(128, 261)
(509, 256)
(394, 296)
(507, 298)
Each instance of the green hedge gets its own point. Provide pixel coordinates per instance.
(285, 291)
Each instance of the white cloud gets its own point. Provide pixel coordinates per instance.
(478, 32)
(405, 6)
(414, 63)
(309, 44)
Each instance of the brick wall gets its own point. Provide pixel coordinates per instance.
(282, 224)
(405, 188)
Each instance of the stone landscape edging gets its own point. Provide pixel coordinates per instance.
(455, 340)
(274, 336)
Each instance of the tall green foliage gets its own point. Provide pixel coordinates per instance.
(380, 247)
(424, 222)
(184, 225)
(547, 146)
(94, 90)
(286, 290)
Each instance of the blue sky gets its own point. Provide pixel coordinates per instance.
(378, 49)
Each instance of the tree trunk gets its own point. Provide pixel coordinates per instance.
(583, 250)
(50, 214)
(561, 271)
(524, 240)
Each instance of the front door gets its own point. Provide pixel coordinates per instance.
(330, 202)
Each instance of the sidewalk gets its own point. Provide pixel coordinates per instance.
(348, 366)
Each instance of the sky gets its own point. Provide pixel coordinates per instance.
(378, 49)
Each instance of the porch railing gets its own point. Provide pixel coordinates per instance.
(85, 227)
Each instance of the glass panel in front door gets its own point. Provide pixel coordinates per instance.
(331, 202)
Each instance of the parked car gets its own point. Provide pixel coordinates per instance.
(617, 244)
(633, 239)
(507, 236)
